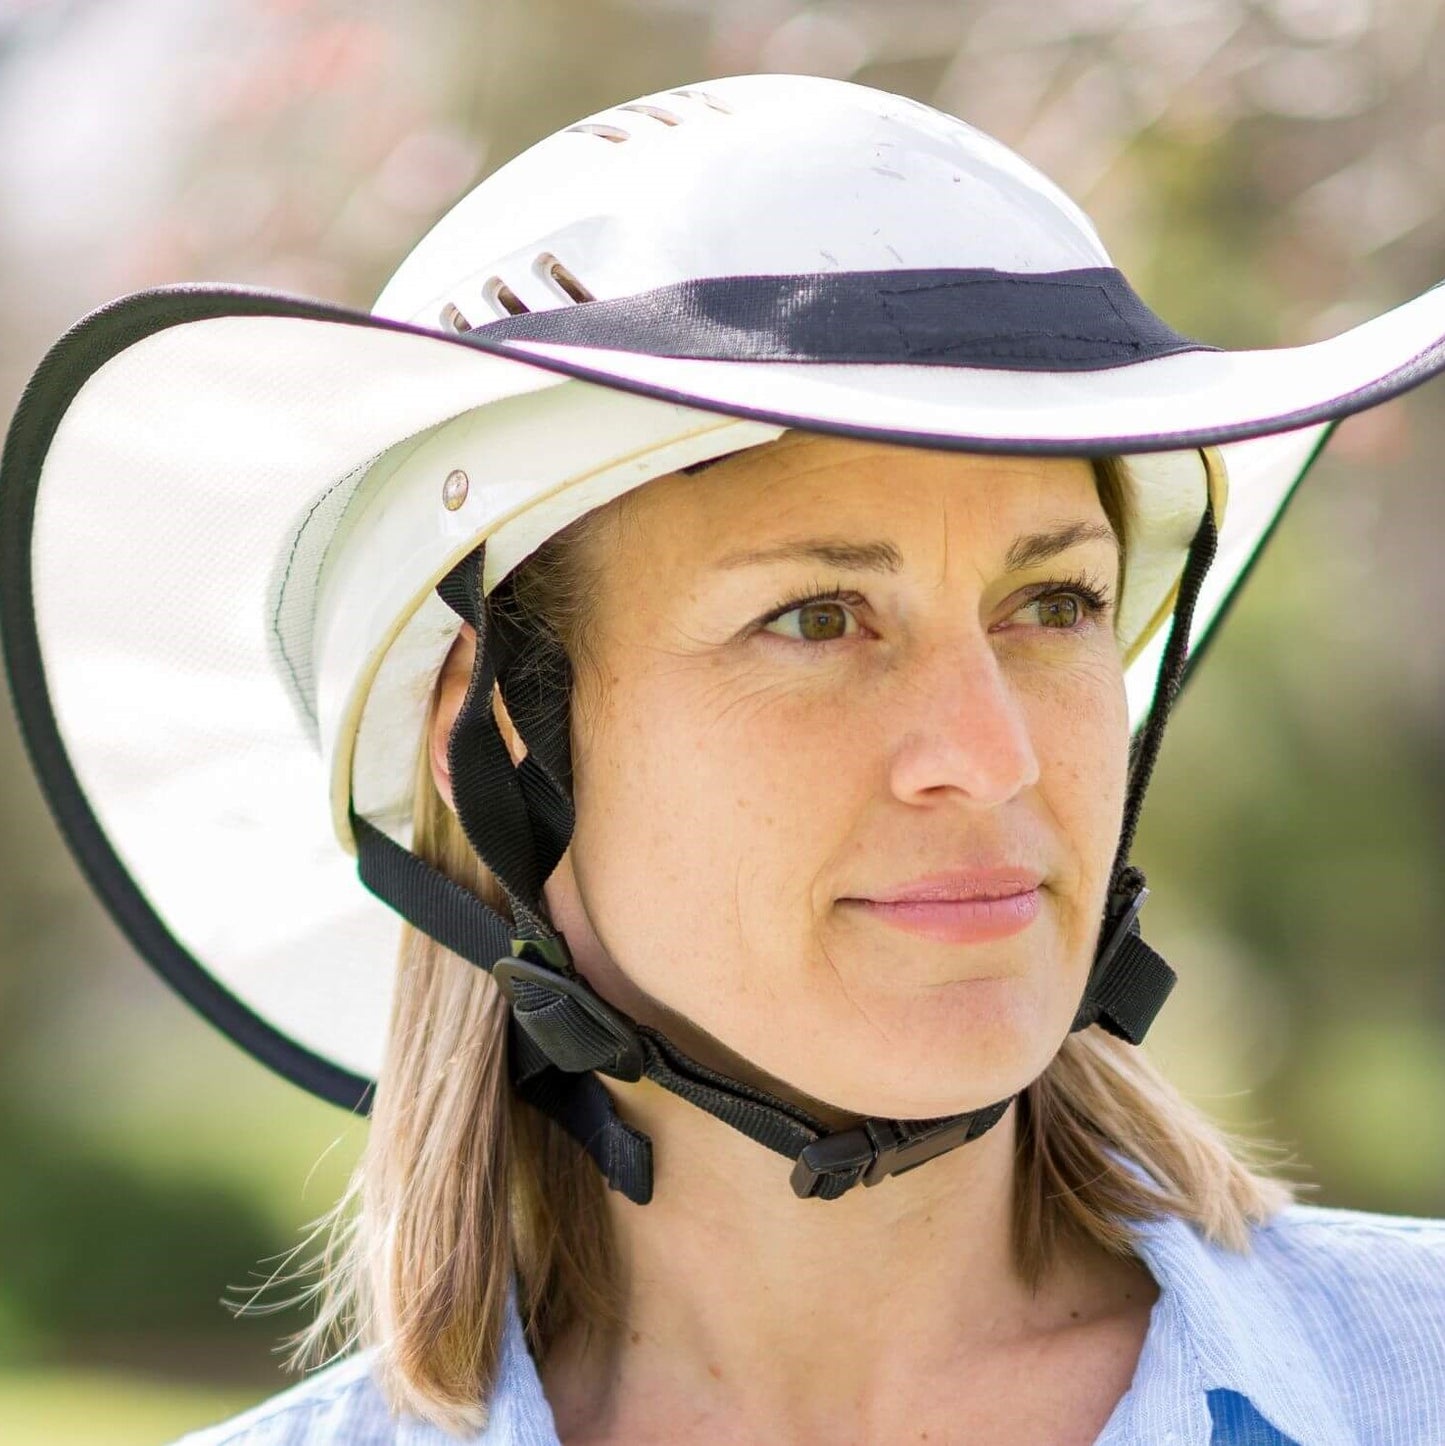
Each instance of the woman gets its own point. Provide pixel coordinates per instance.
(712, 598)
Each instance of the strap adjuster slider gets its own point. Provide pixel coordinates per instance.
(566, 1019)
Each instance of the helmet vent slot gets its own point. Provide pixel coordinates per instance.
(608, 133)
(452, 319)
(655, 111)
(502, 299)
(562, 279)
(711, 101)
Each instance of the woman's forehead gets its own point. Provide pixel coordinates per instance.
(805, 479)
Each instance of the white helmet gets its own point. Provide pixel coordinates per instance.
(239, 529)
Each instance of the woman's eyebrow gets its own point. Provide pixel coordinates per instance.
(836, 552)
(1024, 551)
(1035, 547)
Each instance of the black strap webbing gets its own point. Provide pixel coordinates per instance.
(1131, 993)
(1130, 981)
(486, 789)
(1202, 548)
(581, 1105)
(428, 900)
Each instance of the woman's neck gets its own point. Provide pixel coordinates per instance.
(789, 1316)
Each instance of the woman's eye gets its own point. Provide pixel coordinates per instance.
(1066, 610)
(1059, 610)
(821, 620)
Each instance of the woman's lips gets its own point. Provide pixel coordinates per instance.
(932, 908)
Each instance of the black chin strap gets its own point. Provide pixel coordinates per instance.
(563, 1036)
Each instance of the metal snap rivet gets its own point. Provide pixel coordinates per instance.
(454, 490)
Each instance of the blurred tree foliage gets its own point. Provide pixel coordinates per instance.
(94, 1246)
(1266, 171)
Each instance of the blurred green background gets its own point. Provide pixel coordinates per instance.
(1267, 173)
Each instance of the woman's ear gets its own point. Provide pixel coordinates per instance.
(451, 693)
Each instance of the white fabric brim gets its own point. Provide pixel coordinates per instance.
(192, 457)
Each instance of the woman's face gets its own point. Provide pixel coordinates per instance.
(754, 779)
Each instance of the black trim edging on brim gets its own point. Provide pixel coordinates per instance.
(66, 368)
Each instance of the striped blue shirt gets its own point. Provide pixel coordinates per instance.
(1331, 1332)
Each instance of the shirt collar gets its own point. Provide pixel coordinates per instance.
(524, 1418)
(1224, 1322)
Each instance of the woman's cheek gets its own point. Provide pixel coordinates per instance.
(718, 799)
(1080, 726)
(767, 758)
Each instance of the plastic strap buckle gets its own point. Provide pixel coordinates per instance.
(1132, 901)
(562, 1015)
(877, 1149)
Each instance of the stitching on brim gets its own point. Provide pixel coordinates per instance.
(297, 689)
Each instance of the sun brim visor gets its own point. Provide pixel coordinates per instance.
(185, 462)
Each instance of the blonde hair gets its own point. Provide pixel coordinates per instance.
(462, 1189)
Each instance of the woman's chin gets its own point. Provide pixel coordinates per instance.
(971, 1047)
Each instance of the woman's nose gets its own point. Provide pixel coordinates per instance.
(963, 729)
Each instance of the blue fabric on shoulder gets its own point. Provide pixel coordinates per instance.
(1237, 1423)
